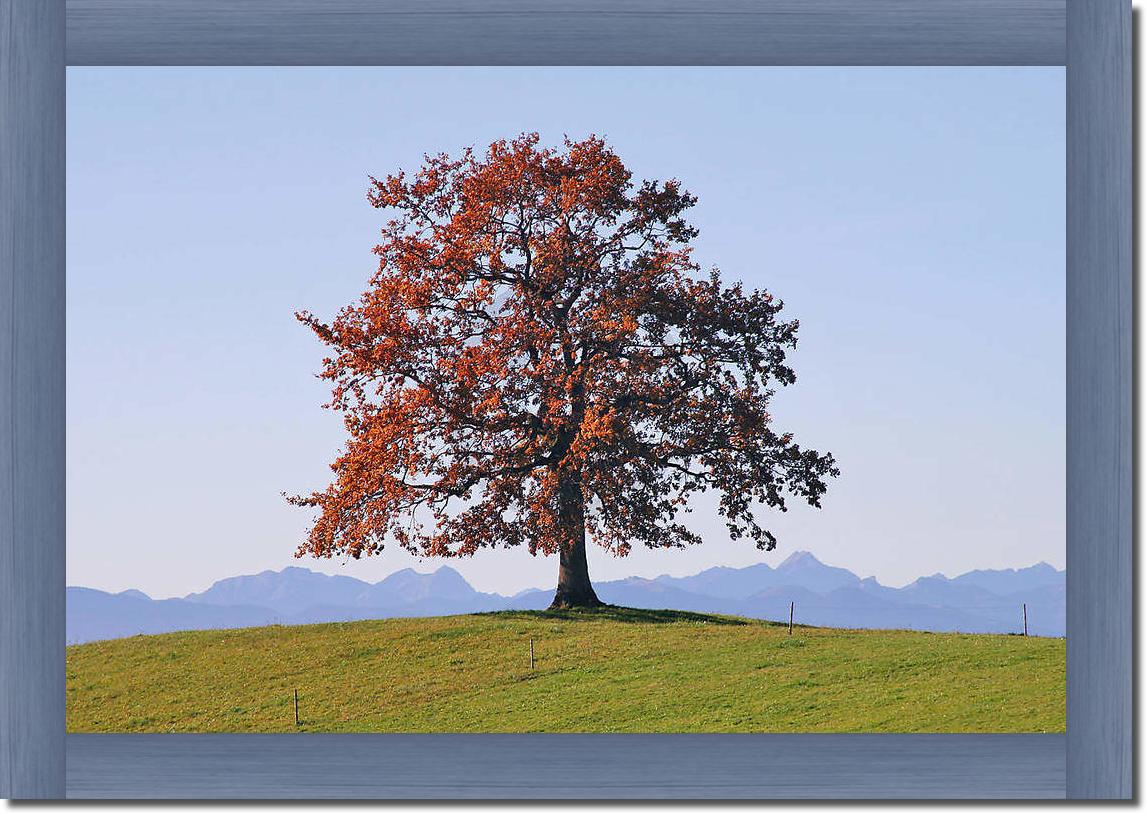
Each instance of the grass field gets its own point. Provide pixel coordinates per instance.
(611, 670)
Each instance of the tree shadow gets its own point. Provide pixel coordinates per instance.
(628, 615)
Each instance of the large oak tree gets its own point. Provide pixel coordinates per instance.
(539, 362)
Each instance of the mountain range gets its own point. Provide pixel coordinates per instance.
(978, 601)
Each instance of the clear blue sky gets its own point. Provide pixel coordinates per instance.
(911, 218)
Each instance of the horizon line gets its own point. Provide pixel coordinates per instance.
(446, 566)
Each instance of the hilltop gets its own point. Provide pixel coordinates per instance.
(612, 670)
(987, 601)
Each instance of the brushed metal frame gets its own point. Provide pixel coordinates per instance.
(1091, 37)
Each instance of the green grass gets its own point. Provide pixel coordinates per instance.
(609, 670)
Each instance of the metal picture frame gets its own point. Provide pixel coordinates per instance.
(1092, 38)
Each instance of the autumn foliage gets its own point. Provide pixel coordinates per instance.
(538, 361)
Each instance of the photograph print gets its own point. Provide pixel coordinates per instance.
(595, 400)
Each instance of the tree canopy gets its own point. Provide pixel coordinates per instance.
(538, 361)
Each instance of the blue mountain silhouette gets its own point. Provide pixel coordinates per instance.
(978, 601)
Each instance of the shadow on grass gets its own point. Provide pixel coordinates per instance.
(628, 615)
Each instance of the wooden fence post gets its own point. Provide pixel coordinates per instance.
(791, 616)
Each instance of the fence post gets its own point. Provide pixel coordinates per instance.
(530, 653)
(1024, 618)
(791, 615)
(296, 706)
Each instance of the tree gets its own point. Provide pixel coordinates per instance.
(538, 361)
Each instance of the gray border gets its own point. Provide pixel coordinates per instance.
(1095, 41)
(31, 397)
(566, 32)
(1099, 402)
(567, 766)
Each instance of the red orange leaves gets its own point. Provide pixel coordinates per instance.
(538, 357)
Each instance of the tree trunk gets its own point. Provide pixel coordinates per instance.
(573, 586)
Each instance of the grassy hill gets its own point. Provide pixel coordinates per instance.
(611, 670)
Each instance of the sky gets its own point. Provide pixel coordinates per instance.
(912, 219)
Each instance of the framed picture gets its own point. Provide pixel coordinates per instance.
(583, 520)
